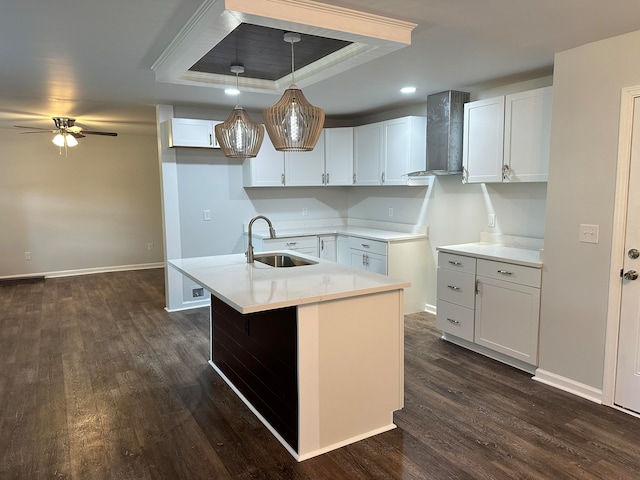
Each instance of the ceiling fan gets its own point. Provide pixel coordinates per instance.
(66, 131)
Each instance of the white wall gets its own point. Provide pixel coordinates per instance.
(98, 208)
(581, 189)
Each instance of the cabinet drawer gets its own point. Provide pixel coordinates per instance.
(456, 262)
(510, 272)
(367, 245)
(456, 287)
(455, 320)
(291, 243)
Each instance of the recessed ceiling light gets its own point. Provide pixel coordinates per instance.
(232, 91)
(408, 90)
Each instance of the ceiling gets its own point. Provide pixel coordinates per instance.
(264, 53)
(93, 60)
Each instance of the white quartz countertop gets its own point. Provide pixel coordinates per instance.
(351, 230)
(493, 251)
(255, 287)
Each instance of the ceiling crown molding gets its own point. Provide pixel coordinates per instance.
(372, 36)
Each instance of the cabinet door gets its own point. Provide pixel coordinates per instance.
(527, 135)
(338, 156)
(405, 148)
(358, 259)
(368, 154)
(343, 252)
(305, 168)
(376, 263)
(266, 169)
(483, 138)
(188, 132)
(328, 247)
(507, 317)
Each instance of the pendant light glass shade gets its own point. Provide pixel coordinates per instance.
(239, 136)
(293, 124)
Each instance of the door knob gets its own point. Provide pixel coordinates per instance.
(633, 253)
(630, 275)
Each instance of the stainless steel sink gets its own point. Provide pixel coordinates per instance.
(282, 260)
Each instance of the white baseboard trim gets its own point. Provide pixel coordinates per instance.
(430, 308)
(191, 305)
(568, 385)
(88, 271)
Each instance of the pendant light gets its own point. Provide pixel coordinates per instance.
(239, 136)
(293, 124)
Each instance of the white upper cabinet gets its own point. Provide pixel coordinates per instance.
(506, 139)
(405, 148)
(190, 132)
(266, 169)
(483, 139)
(367, 154)
(329, 163)
(304, 169)
(527, 135)
(338, 156)
(385, 152)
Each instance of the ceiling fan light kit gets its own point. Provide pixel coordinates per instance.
(64, 140)
(239, 136)
(293, 124)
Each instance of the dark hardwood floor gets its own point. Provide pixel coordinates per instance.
(98, 381)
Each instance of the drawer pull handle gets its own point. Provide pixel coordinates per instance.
(451, 320)
(504, 272)
(291, 244)
(453, 287)
(453, 262)
(365, 245)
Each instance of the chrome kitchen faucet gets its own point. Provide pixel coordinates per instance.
(272, 234)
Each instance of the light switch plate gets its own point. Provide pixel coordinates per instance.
(589, 233)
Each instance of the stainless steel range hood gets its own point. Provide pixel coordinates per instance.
(445, 120)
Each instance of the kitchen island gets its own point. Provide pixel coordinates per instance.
(315, 351)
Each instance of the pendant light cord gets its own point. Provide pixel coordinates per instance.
(293, 78)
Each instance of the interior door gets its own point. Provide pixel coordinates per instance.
(627, 390)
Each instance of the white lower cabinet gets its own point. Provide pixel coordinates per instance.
(508, 309)
(456, 295)
(307, 244)
(494, 305)
(327, 247)
(342, 246)
(370, 255)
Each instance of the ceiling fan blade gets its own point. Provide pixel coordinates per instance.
(39, 131)
(76, 134)
(93, 132)
(34, 128)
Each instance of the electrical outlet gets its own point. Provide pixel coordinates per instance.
(390, 212)
(206, 215)
(589, 233)
(27, 255)
(197, 292)
(150, 246)
(492, 220)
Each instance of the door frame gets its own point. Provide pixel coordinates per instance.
(627, 100)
